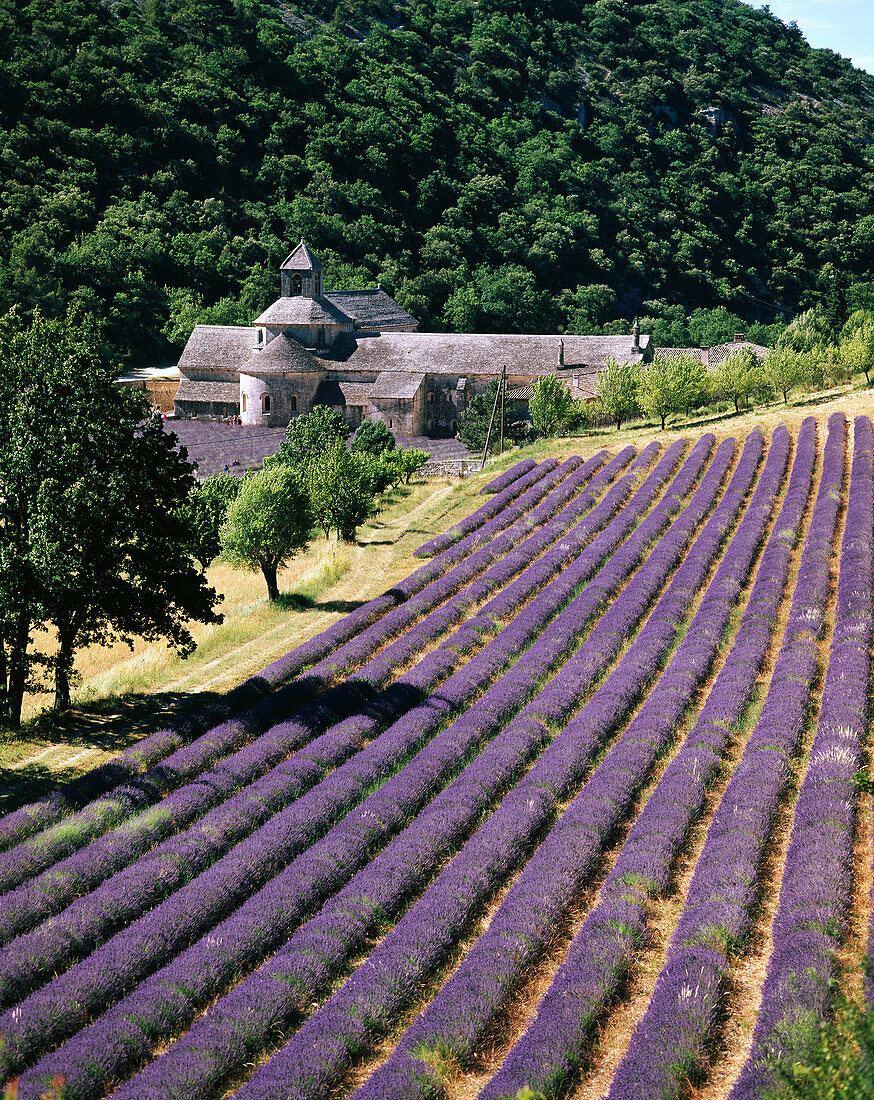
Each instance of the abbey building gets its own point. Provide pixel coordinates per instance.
(360, 352)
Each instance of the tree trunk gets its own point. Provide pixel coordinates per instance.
(664, 418)
(17, 670)
(269, 572)
(737, 405)
(64, 667)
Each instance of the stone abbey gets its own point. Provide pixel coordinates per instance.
(360, 352)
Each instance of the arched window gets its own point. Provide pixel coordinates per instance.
(296, 283)
(265, 403)
(243, 399)
(391, 423)
(294, 402)
(430, 395)
(318, 284)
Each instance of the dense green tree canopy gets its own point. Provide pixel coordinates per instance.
(311, 436)
(372, 437)
(506, 165)
(342, 490)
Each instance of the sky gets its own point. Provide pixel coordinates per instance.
(845, 26)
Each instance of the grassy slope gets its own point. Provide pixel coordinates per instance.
(124, 694)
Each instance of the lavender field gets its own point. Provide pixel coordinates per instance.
(510, 830)
(214, 445)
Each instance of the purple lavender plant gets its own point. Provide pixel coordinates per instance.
(817, 874)
(671, 1040)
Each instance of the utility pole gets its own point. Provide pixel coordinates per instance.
(492, 421)
(503, 385)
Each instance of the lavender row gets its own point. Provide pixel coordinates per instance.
(85, 922)
(508, 477)
(315, 953)
(817, 875)
(32, 856)
(486, 511)
(298, 889)
(130, 764)
(604, 949)
(525, 920)
(670, 1041)
(92, 917)
(35, 899)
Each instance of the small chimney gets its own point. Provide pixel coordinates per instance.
(738, 337)
(561, 353)
(635, 332)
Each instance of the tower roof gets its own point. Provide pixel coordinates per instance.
(301, 259)
(303, 311)
(284, 355)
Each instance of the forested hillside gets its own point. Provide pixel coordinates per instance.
(521, 165)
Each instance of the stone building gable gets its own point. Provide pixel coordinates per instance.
(396, 385)
(218, 347)
(372, 310)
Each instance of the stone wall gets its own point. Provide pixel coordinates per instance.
(282, 389)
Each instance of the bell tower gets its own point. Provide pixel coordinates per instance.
(302, 274)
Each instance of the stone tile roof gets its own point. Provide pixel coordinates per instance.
(190, 390)
(467, 354)
(331, 392)
(372, 309)
(721, 352)
(223, 346)
(301, 259)
(299, 310)
(672, 353)
(397, 385)
(283, 355)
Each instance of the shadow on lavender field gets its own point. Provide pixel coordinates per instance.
(108, 724)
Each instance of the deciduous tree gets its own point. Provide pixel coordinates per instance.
(205, 511)
(738, 377)
(311, 436)
(857, 343)
(674, 384)
(268, 523)
(618, 387)
(786, 368)
(372, 437)
(341, 491)
(551, 406)
(92, 539)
